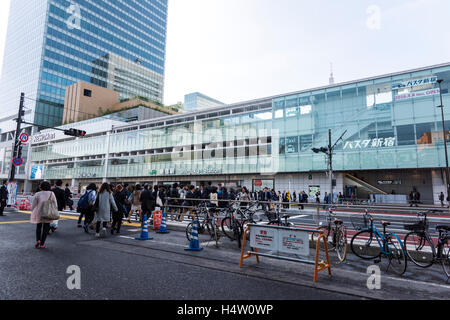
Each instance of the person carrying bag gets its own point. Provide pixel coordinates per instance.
(44, 212)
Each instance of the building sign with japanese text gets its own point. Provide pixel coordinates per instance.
(370, 143)
(417, 94)
(414, 83)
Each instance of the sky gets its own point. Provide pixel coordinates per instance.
(239, 50)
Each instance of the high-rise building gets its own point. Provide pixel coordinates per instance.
(198, 101)
(52, 44)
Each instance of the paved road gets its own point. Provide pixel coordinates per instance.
(121, 268)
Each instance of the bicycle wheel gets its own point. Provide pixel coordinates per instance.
(445, 258)
(341, 244)
(227, 228)
(364, 245)
(418, 249)
(397, 258)
(188, 231)
(200, 230)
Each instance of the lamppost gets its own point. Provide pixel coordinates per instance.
(444, 132)
(329, 153)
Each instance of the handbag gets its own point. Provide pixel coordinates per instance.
(158, 200)
(50, 210)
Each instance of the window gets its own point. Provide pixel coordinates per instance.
(87, 93)
(406, 135)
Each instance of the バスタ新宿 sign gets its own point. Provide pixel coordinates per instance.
(370, 143)
(414, 82)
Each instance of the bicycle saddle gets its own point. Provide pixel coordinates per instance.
(385, 223)
(286, 216)
(337, 221)
(444, 228)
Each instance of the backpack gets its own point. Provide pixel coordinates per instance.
(83, 203)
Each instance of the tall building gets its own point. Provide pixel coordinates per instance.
(197, 101)
(52, 44)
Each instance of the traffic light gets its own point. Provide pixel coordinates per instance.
(75, 133)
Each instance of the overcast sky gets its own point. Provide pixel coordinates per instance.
(237, 50)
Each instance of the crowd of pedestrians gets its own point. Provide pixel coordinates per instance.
(109, 203)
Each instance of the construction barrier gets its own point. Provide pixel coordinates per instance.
(157, 219)
(284, 240)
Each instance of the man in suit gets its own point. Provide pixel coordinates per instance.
(3, 197)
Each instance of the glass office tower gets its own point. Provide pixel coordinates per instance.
(51, 44)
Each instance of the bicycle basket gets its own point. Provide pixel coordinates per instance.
(360, 221)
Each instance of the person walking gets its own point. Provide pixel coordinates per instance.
(3, 197)
(148, 202)
(42, 225)
(68, 197)
(61, 200)
(120, 197)
(441, 199)
(103, 205)
(136, 203)
(86, 206)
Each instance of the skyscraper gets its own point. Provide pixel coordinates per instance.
(51, 44)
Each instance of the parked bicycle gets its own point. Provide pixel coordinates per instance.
(421, 248)
(236, 219)
(276, 219)
(369, 244)
(207, 223)
(336, 229)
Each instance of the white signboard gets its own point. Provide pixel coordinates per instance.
(414, 83)
(417, 94)
(280, 240)
(294, 242)
(264, 238)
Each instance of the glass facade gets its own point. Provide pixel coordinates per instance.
(118, 44)
(389, 122)
(197, 101)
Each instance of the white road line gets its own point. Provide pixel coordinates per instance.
(126, 237)
(296, 217)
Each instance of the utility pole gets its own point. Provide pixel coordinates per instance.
(329, 153)
(17, 152)
(330, 159)
(444, 132)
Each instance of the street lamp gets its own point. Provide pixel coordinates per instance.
(447, 175)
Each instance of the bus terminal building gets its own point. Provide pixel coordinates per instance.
(393, 142)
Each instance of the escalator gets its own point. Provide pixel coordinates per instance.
(363, 188)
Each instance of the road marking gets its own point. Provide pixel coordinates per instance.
(15, 222)
(125, 237)
(297, 217)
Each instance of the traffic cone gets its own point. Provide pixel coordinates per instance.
(144, 232)
(163, 227)
(194, 245)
